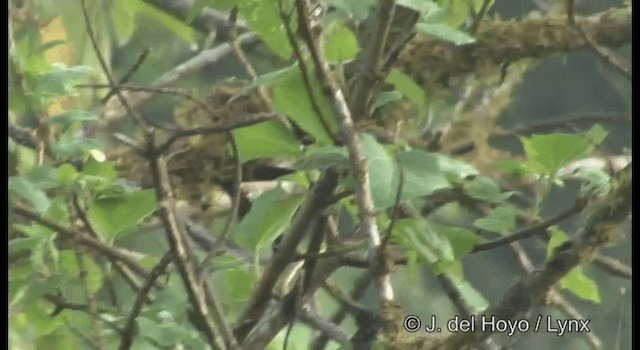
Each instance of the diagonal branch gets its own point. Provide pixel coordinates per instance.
(357, 159)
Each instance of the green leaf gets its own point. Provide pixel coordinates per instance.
(408, 87)
(271, 78)
(423, 237)
(66, 119)
(197, 7)
(596, 134)
(486, 189)
(165, 333)
(500, 220)
(181, 29)
(269, 216)
(66, 174)
(386, 97)
(426, 172)
(546, 154)
(471, 295)
(462, 240)
(263, 18)
(75, 148)
(445, 32)
(424, 7)
(557, 237)
(237, 285)
(291, 97)
(123, 16)
(383, 172)
(578, 283)
(323, 158)
(106, 170)
(340, 43)
(69, 263)
(358, 10)
(111, 216)
(266, 140)
(60, 80)
(29, 192)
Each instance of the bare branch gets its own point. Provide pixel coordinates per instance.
(129, 331)
(356, 156)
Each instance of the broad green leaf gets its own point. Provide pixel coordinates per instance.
(66, 174)
(197, 7)
(237, 285)
(43, 176)
(445, 32)
(426, 172)
(266, 140)
(383, 172)
(486, 189)
(578, 283)
(546, 154)
(424, 7)
(291, 98)
(123, 16)
(106, 170)
(457, 12)
(29, 192)
(386, 97)
(596, 134)
(59, 81)
(357, 10)
(75, 148)
(165, 333)
(262, 17)
(408, 87)
(500, 220)
(40, 323)
(423, 237)
(462, 240)
(271, 78)
(66, 119)
(69, 263)
(269, 216)
(111, 216)
(471, 295)
(557, 237)
(181, 29)
(323, 158)
(340, 43)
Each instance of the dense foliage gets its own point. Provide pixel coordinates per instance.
(270, 173)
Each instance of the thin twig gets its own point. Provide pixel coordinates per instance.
(237, 49)
(554, 297)
(304, 71)
(529, 231)
(613, 266)
(396, 205)
(606, 55)
(207, 310)
(112, 252)
(566, 123)
(357, 291)
(357, 159)
(313, 206)
(89, 295)
(105, 68)
(370, 75)
(114, 112)
(125, 78)
(224, 126)
(129, 331)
